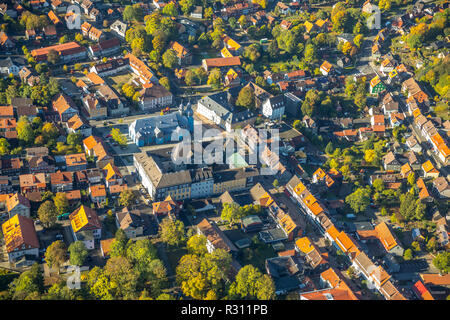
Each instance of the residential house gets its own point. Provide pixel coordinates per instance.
(326, 68)
(429, 171)
(86, 226)
(273, 108)
(97, 193)
(43, 164)
(382, 233)
(442, 187)
(131, 222)
(114, 104)
(104, 48)
(285, 273)
(32, 182)
(78, 124)
(68, 52)
(5, 42)
(183, 54)
(20, 238)
(18, 204)
(413, 145)
(212, 63)
(376, 85)
(29, 76)
(167, 208)
(65, 107)
(390, 162)
(61, 181)
(413, 90)
(8, 66)
(119, 28)
(112, 175)
(145, 74)
(76, 162)
(154, 97)
(215, 238)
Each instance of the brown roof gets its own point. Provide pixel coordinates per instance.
(62, 103)
(63, 49)
(76, 159)
(97, 191)
(222, 62)
(436, 279)
(15, 199)
(19, 231)
(215, 236)
(30, 180)
(179, 49)
(7, 111)
(61, 177)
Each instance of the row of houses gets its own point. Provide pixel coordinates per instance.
(318, 214)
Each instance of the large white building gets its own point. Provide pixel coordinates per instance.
(220, 109)
(273, 108)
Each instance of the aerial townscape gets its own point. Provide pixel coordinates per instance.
(224, 150)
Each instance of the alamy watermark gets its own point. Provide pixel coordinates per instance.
(374, 21)
(74, 279)
(73, 17)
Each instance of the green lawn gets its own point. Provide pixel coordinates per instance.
(120, 79)
(256, 255)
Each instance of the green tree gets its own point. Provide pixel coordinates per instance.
(78, 253)
(186, 6)
(197, 245)
(432, 245)
(172, 232)
(359, 200)
(25, 130)
(122, 276)
(133, 13)
(416, 246)
(48, 213)
(408, 254)
(170, 59)
(30, 282)
(250, 283)
(329, 148)
(246, 98)
(190, 78)
(164, 81)
(358, 40)
(74, 138)
(61, 202)
(215, 78)
(378, 185)
(118, 137)
(119, 245)
(170, 10)
(126, 198)
(4, 146)
(56, 254)
(53, 56)
(411, 179)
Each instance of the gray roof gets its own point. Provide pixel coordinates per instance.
(221, 103)
(165, 123)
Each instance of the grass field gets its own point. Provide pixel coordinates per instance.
(256, 255)
(120, 79)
